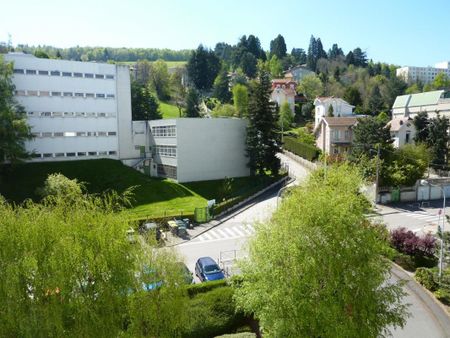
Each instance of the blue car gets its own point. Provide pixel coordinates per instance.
(206, 269)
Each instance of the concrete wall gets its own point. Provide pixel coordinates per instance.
(124, 123)
(210, 149)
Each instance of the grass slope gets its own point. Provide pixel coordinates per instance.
(169, 111)
(153, 197)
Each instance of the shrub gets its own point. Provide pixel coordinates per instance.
(409, 243)
(213, 313)
(426, 278)
(195, 289)
(443, 295)
(304, 150)
(405, 261)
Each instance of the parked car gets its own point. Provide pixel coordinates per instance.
(206, 269)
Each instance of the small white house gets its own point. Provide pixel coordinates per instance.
(341, 108)
(402, 131)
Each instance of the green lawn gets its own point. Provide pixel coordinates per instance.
(169, 111)
(154, 198)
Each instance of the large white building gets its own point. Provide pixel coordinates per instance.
(191, 149)
(322, 105)
(82, 110)
(423, 74)
(76, 110)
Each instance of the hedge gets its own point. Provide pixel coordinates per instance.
(304, 150)
(195, 289)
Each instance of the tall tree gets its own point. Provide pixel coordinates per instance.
(421, 124)
(438, 141)
(375, 103)
(353, 96)
(144, 106)
(14, 129)
(240, 99)
(286, 117)
(359, 57)
(320, 53)
(278, 47)
(305, 285)
(192, 103)
(441, 81)
(310, 86)
(249, 64)
(276, 68)
(311, 59)
(263, 138)
(178, 89)
(299, 55)
(335, 52)
(222, 86)
(203, 67)
(159, 79)
(368, 134)
(223, 51)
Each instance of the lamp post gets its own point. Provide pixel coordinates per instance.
(279, 193)
(441, 253)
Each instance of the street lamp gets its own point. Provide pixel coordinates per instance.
(279, 193)
(441, 253)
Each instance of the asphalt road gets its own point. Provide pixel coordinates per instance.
(229, 240)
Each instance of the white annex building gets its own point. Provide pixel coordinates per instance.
(433, 103)
(76, 109)
(341, 108)
(191, 149)
(82, 110)
(424, 74)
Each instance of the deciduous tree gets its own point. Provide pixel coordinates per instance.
(14, 129)
(308, 275)
(310, 86)
(421, 124)
(240, 99)
(438, 141)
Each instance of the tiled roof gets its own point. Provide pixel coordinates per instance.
(397, 123)
(341, 121)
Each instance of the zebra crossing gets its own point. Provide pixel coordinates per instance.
(237, 231)
(423, 216)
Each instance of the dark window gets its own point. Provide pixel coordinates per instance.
(89, 75)
(68, 94)
(167, 171)
(78, 74)
(99, 76)
(79, 94)
(100, 95)
(112, 153)
(55, 73)
(407, 138)
(108, 76)
(19, 71)
(43, 72)
(70, 154)
(67, 74)
(31, 72)
(92, 153)
(56, 93)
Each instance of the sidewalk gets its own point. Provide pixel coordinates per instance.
(172, 240)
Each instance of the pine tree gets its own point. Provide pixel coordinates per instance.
(263, 137)
(192, 103)
(438, 140)
(222, 86)
(421, 124)
(375, 103)
(311, 59)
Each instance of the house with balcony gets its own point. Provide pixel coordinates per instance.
(334, 135)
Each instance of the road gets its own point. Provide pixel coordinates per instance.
(229, 240)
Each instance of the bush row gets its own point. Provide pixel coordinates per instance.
(429, 279)
(304, 150)
(195, 289)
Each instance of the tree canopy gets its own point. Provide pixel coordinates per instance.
(144, 105)
(308, 274)
(278, 47)
(203, 67)
(14, 129)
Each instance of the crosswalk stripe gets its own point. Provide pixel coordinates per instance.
(229, 232)
(238, 231)
(223, 233)
(214, 234)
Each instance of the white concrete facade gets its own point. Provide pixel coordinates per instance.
(423, 74)
(192, 149)
(341, 108)
(402, 131)
(433, 103)
(76, 110)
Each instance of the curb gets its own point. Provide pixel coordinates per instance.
(232, 213)
(428, 299)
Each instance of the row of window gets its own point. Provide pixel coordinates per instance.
(164, 131)
(68, 114)
(167, 171)
(167, 151)
(75, 154)
(65, 74)
(74, 133)
(63, 94)
(337, 135)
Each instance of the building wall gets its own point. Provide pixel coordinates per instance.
(209, 149)
(423, 74)
(443, 107)
(339, 109)
(279, 96)
(399, 136)
(73, 113)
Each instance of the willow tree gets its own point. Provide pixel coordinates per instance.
(68, 268)
(316, 269)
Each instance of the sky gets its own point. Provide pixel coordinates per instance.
(401, 32)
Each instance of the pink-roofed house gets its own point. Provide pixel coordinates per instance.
(283, 90)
